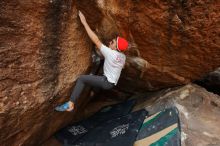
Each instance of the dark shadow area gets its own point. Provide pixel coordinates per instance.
(215, 88)
(211, 82)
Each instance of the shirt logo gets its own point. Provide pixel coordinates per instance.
(119, 59)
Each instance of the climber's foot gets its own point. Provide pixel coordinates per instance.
(67, 106)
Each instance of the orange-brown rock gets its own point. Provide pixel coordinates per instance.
(174, 41)
(43, 51)
(44, 48)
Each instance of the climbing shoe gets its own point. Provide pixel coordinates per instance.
(63, 107)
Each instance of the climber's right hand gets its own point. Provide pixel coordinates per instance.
(82, 18)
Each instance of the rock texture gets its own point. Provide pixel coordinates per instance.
(174, 41)
(43, 51)
(44, 48)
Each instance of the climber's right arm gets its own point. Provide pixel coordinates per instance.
(89, 31)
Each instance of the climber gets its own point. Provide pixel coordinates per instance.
(114, 61)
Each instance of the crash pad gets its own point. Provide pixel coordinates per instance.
(73, 132)
(160, 129)
(121, 131)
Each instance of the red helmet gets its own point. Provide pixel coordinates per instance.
(122, 44)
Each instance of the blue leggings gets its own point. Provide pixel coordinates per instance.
(91, 80)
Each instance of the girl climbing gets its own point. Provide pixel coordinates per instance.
(114, 61)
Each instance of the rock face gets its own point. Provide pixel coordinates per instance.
(176, 41)
(199, 112)
(43, 51)
(44, 48)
